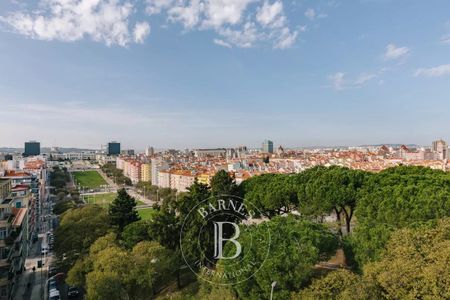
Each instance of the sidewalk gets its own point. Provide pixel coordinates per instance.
(34, 278)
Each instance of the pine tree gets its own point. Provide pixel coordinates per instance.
(122, 210)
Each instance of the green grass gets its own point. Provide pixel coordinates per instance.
(100, 199)
(104, 199)
(89, 179)
(146, 213)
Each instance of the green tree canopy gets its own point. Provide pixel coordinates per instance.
(295, 246)
(415, 264)
(122, 211)
(271, 194)
(397, 198)
(77, 230)
(339, 285)
(136, 232)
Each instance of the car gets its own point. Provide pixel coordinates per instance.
(44, 251)
(54, 295)
(52, 271)
(52, 286)
(73, 291)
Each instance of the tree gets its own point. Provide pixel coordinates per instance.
(271, 194)
(339, 285)
(136, 232)
(164, 227)
(397, 198)
(415, 264)
(222, 184)
(110, 274)
(333, 189)
(117, 273)
(155, 267)
(122, 210)
(77, 274)
(78, 229)
(62, 206)
(194, 224)
(296, 245)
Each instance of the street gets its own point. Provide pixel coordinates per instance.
(31, 284)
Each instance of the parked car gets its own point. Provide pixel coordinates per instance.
(73, 291)
(54, 295)
(52, 271)
(44, 250)
(52, 285)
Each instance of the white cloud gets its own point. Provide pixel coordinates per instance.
(224, 12)
(433, 72)
(445, 39)
(188, 15)
(310, 13)
(141, 31)
(363, 78)
(71, 20)
(271, 14)
(339, 81)
(243, 38)
(394, 52)
(156, 6)
(240, 23)
(222, 43)
(286, 39)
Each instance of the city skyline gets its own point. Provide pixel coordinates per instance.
(178, 77)
(104, 147)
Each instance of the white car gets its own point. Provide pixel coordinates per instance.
(54, 295)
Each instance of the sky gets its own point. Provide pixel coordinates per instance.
(224, 73)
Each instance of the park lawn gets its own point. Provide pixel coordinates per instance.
(104, 199)
(89, 179)
(146, 213)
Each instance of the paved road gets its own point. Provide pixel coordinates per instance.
(32, 283)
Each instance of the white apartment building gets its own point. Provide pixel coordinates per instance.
(181, 180)
(163, 178)
(157, 165)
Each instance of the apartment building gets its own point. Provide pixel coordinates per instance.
(13, 235)
(204, 178)
(164, 179)
(181, 180)
(219, 152)
(146, 172)
(133, 169)
(157, 165)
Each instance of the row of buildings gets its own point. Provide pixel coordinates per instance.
(22, 188)
(178, 170)
(134, 169)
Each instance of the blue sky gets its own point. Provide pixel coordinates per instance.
(207, 73)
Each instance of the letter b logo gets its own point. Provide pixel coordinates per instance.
(219, 239)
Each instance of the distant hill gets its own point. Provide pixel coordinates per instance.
(43, 150)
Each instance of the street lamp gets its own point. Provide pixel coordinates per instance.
(271, 291)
